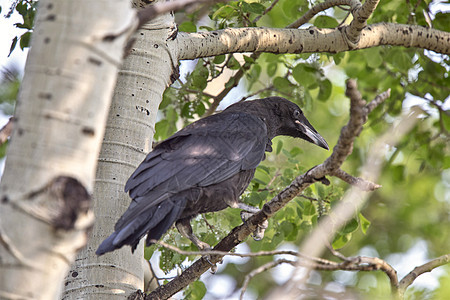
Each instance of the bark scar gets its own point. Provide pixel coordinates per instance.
(60, 202)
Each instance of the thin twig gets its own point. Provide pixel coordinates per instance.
(160, 8)
(354, 4)
(261, 269)
(362, 184)
(427, 267)
(266, 11)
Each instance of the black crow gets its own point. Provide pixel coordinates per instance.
(204, 167)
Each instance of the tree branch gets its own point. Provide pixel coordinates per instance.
(152, 11)
(428, 267)
(360, 16)
(354, 4)
(310, 40)
(261, 269)
(362, 184)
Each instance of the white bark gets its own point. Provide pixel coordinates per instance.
(60, 116)
(310, 40)
(142, 80)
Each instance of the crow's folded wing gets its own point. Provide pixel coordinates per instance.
(204, 153)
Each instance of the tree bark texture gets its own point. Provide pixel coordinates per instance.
(310, 40)
(59, 124)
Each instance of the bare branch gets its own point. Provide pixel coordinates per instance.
(235, 81)
(362, 184)
(428, 267)
(226, 253)
(152, 11)
(266, 11)
(354, 4)
(261, 269)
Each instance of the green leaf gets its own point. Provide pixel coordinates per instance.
(281, 83)
(279, 147)
(341, 240)
(161, 129)
(325, 90)
(272, 69)
(446, 120)
(350, 227)
(224, 12)
(398, 173)
(303, 75)
(206, 28)
(230, 82)
(256, 8)
(13, 45)
(248, 59)
(195, 291)
(148, 252)
(338, 57)
(325, 22)
(187, 26)
(441, 21)
(233, 64)
(295, 151)
(200, 108)
(219, 59)
(25, 40)
(399, 58)
(21, 8)
(309, 208)
(364, 223)
(186, 110)
(373, 57)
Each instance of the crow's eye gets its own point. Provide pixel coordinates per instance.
(297, 114)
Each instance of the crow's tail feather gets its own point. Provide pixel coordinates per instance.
(154, 221)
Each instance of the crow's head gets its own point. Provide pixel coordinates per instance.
(282, 117)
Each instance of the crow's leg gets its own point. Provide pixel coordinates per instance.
(185, 228)
(247, 212)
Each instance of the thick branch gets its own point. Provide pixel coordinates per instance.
(311, 40)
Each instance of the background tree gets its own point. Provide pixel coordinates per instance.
(414, 180)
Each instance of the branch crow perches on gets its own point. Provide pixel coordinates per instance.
(204, 167)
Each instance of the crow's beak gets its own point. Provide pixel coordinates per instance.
(312, 135)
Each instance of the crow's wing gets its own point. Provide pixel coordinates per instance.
(206, 152)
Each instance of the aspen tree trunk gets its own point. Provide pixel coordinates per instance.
(144, 76)
(60, 117)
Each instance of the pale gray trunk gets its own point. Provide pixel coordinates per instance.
(51, 160)
(144, 76)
